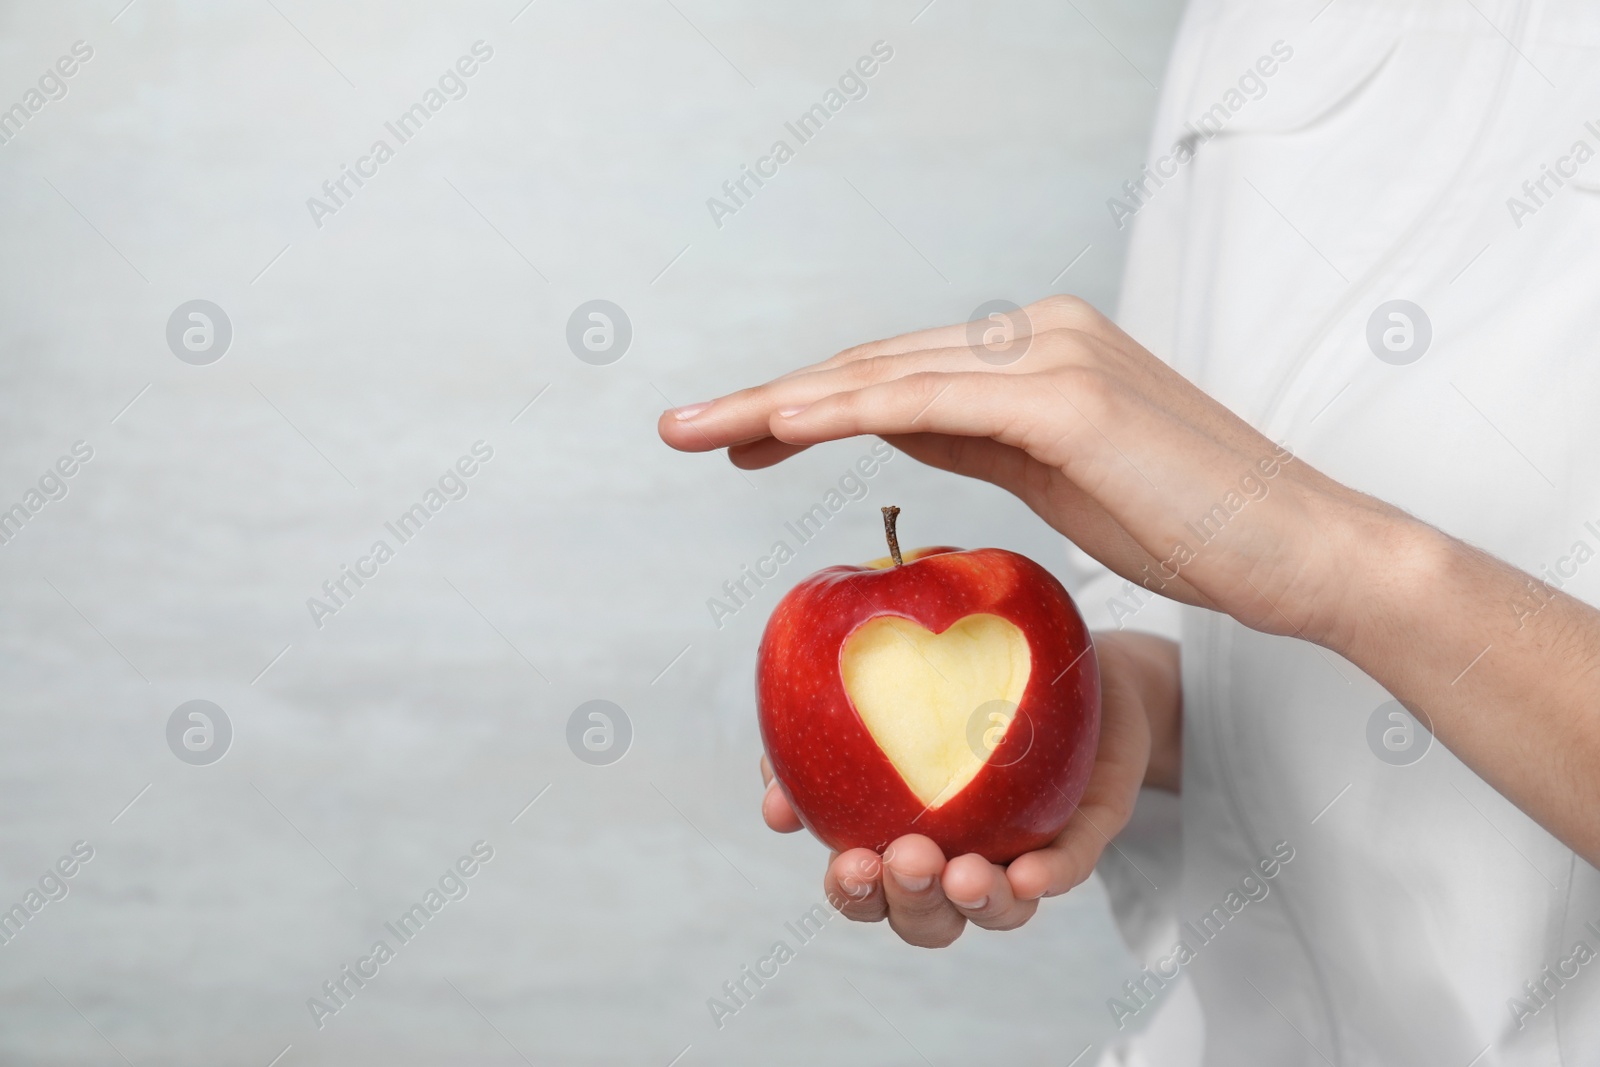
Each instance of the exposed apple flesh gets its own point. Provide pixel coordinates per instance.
(916, 691)
(950, 693)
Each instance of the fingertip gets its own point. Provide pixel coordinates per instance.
(681, 434)
(913, 849)
(861, 864)
(855, 876)
(913, 863)
(687, 412)
(1032, 876)
(663, 426)
(787, 427)
(1026, 876)
(762, 453)
(969, 880)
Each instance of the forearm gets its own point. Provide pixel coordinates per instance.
(1506, 668)
(1152, 663)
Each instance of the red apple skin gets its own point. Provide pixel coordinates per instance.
(839, 781)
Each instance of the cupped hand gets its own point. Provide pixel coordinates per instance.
(929, 898)
(1105, 442)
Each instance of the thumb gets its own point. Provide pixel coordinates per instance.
(776, 810)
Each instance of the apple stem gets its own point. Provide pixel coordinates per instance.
(891, 513)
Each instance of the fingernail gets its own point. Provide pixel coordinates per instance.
(789, 413)
(970, 905)
(853, 888)
(689, 411)
(912, 885)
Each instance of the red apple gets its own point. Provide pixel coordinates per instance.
(949, 693)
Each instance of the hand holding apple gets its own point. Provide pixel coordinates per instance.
(928, 899)
(949, 693)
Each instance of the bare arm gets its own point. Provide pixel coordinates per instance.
(1505, 667)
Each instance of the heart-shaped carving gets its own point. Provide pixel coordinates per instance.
(919, 692)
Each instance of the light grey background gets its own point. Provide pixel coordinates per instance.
(367, 356)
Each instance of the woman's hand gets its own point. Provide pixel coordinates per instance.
(928, 900)
(1104, 441)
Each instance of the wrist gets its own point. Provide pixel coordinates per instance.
(1389, 568)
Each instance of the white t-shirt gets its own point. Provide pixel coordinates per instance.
(1444, 154)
